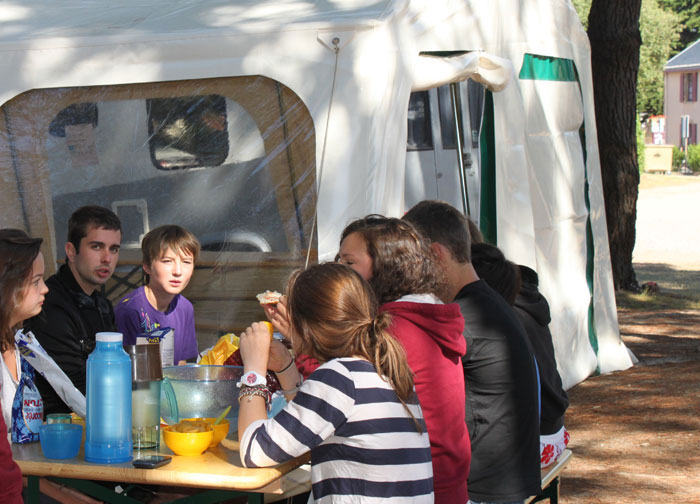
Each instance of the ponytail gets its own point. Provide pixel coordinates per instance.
(388, 356)
(333, 313)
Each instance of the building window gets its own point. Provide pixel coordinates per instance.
(689, 87)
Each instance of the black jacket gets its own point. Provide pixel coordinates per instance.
(501, 398)
(533, 310)
(66, 329)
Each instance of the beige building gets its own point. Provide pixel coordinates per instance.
(681, 94)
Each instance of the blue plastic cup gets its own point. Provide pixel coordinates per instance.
(60, 440)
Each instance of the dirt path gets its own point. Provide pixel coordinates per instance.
(635, 433)
(667, 219)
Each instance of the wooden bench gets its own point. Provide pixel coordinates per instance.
(550, 479)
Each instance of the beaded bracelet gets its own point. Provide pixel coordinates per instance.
(257, 390)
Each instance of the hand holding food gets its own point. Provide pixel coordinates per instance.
(255, 347)
(277, 314)
(269, 328)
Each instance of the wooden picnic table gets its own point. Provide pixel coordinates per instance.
(218, 472)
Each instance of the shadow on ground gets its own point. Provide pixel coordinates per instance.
(634, 433)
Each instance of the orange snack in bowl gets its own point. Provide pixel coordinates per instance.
(187, 443)
(220, 429)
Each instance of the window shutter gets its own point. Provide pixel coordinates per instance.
(695, 87)
(693, 134)
(682, 76)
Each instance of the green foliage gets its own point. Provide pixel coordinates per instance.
(689, 13)
(641, 156)
(678, 157)
(694, 158)
(583, 7)
(660, 30)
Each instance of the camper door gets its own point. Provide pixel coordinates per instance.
(432, 165)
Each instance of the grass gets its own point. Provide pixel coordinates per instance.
(658, 301)
(654, 180)
(678, 289)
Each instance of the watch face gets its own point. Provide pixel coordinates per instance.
(251, 379)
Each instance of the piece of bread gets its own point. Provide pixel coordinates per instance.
(269, 297)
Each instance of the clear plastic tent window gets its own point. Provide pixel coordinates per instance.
(230, 159)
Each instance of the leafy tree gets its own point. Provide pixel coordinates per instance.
(583, 7)
(641, 153)
(678, 158)
(689, 12)
(660, 30)
(694, 158)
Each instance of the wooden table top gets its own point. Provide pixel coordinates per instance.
(217, 468)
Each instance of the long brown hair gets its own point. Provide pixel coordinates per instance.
(333, 314)
(17, 254)
(402, 262)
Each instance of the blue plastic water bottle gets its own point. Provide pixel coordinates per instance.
(108, 422)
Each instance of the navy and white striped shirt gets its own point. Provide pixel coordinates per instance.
(364, 445)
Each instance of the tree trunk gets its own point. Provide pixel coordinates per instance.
(613, 29)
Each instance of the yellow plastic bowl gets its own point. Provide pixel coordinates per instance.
(187, 443)
(220, 429)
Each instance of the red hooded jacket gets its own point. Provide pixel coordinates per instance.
(10, 474)
(432, 337)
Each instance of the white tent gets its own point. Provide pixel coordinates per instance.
(307, 102)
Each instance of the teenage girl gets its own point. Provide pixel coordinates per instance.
(22, 291)
(393, 257)
(357, 413)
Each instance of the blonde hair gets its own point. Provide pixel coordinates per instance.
(333, 313)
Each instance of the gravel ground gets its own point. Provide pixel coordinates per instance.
(635, 433)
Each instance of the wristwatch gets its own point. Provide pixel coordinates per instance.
(252, 379)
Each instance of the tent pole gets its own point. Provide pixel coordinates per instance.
(456, 112)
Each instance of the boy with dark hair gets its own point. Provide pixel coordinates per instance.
(499, 368)
(169, 254)
(74, 308)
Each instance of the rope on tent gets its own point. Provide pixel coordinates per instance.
(336, 50)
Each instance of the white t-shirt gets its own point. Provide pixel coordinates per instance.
(8, 388)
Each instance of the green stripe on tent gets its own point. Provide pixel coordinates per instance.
(487, 144)
(590, 251)
(536, 67)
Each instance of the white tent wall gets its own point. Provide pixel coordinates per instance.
(358, 100)
(540, 173)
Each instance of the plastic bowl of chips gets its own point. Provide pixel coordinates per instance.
(60, 440)
(188, 437)
(220, 429)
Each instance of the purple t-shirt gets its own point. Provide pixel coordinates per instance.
(134, 315)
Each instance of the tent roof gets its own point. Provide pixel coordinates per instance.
(32, 20)
(686, 59)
